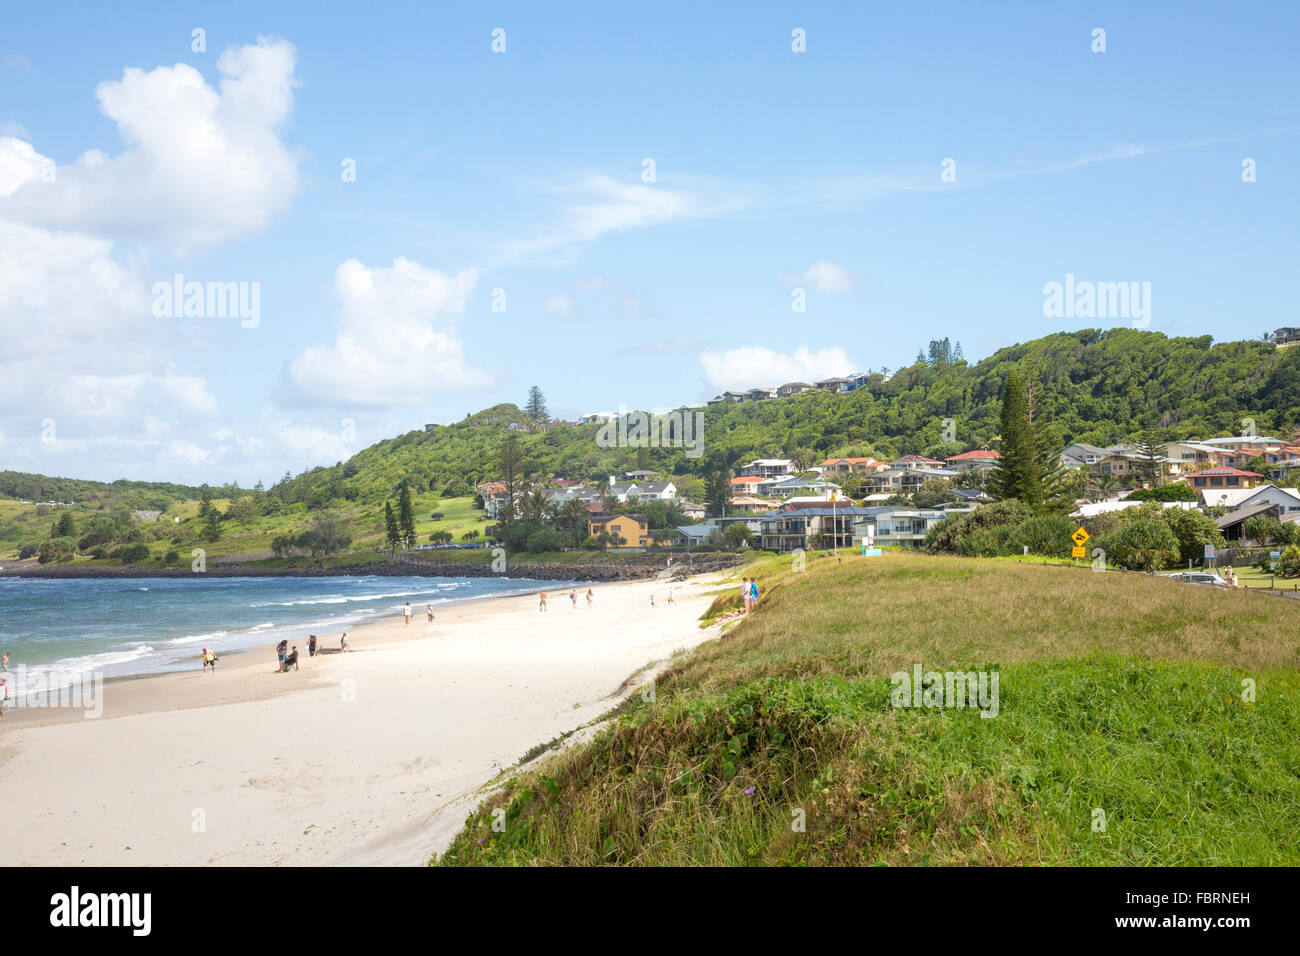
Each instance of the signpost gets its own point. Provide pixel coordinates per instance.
(1208, 560)
(1080, 538)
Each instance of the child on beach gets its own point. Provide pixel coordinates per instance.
(343, 642)
(542, 605)
(589, 596)
(429, 608)
(406, 613)
(573, 599)
(652, 599)
(281, 651)
(670, 596)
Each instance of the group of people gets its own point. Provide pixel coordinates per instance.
(749, 592)
(407, 612)
(1230, 576)
(573, 599)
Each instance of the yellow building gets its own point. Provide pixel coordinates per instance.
(633, 529)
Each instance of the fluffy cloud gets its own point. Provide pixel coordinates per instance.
(82, 346)
(753, 366)
(824, 276)
(396, 342)
(201, 164)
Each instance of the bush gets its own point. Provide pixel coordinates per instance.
(171, 557)
(546, 539)
(135, 552)
(1289, 564)
(99, 554)
(1144, 545)
(26, 551)
(947, 535)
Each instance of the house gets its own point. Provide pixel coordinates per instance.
(760, 394)
(978, 460)
(767, 468)
(592, 418)
(1217, 478)
(634, 530)
(1286, 336)
(1226, 497)
(793, 485)
(904, 479)
(971, 495)
(494, 497)
(1256, 444)
(1285, 500)
(795, 527)
(1084, 454)
(638, 475)
(749, 504)
(658, 490)
(691, 535)
(1240, 457)
(792, 388)
(905, 527)
(620, 491)
(916, 461)
(850, 466)
(747, 484)
(1233, 525)
(691, 509)
(430, 427)
(840, 385)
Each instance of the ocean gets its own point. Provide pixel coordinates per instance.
(118, 627)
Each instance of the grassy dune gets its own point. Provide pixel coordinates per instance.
(1118, 693)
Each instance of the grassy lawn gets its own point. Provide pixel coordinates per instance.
(1120, 695)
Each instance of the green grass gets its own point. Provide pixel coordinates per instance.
(1119, 694)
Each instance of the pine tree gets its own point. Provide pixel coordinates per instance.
(536, 407)
(405, 514)
(1151, 457)
(392, 533)
(511, 465)
(1019, 471)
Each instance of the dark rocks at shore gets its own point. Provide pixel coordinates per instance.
(411, 567)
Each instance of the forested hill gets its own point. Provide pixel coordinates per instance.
(1095, 386)
(143, 495)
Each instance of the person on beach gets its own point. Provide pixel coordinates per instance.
(652, 599)
(573, 599)
(670, 596)
(429, 608)
(744, 592)
(281, 650)
(406, 612)
(209, 660)
(311, 645)
(542, 605)
(5, 660)
(343, 642)
(589, 597)
(753, 592)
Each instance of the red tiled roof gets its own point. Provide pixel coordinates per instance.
(978, 453)
(1227, 472)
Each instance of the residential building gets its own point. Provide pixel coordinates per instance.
(798, 527)
(692, 510)
(494, 497)
(747, 484)
(638, 475)
(851, 466)
(916, 461)
(760, 394)
(904, 527)
(592, 417)
(978, 460)
(1226, 497)
(792, 485)
(792, 388)
(1232, 525)
(658, 490)
(767, 468)
(1083, 454)
(430, 427)
(1222, 478)
(1285, 500)
(839, 385)
(750, 505)
(904, 479)
(633, 529)
(1286, 336)
(621, 491)
(1258, 444)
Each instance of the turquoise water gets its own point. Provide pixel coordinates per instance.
(129, 626)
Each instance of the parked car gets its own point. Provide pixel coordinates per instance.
(1198, 577)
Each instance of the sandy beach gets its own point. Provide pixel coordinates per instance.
(367, 758)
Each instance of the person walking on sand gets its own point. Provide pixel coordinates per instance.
(429, 608)
(542, 604)
(311, 645)
(652, 599)
(670, 596)
(281, 650)
(406, 613)
(589, 597)
(573, 599)
(343, 642)
(209, 660)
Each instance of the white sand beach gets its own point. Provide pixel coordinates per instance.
(374, 757)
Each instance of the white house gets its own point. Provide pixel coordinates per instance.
(1286, 500)
(658, 490)
(767, 468)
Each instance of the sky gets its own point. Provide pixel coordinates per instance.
(427, 210)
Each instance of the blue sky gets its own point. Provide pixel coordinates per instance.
(523, 171)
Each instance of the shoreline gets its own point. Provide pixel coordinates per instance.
(629, 569)
(367, 758)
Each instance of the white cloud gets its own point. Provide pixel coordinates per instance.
(560, 305)
(396, 340)
(753, 366)
(824, 276)
(598, 205)
(201, 164)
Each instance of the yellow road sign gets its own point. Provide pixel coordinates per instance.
(1080, 537)
(1079, 552)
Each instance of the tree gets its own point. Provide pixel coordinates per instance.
(1145, 543)
(205, 498)
(510, 463)
(405, 514)
(737, 533)
(1151, 460)
(536, 407)
(717, 487)
(392, 533)
(1019, 471)
(212, 529)
(330, 533)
